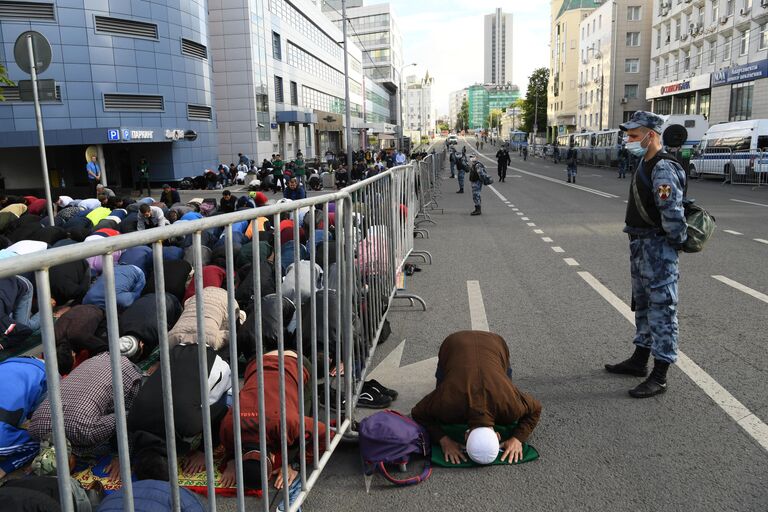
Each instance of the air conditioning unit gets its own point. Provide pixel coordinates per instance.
(623, 101)
(723, 20)
(745, 11)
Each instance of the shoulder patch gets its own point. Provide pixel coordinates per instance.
(664, 191)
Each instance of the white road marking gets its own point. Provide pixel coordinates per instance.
(514, 209)
(510, 206)
(731, 232)
(514, 176)
(749, 202)
(626, 202)
(524, 218)
(558, 249)
(531, 224)
(498, 194)
(571, 262)
(572, 185)
(547, 239)
(751, 424)
(746, 289)
(761, 241)
(477, 316)
(538, 231)
(520, 213)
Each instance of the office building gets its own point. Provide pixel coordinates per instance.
(279, 75)
(130, 79)
(563, 90)
(455, 100)
(613, 64)
(419, 108)
(497, 62)
(710, 58)
(484, 98)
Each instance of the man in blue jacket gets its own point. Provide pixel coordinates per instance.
(22, 387)
(295, 190)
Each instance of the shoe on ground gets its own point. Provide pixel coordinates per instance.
(372, 399)
(378, 386)
(477, 211)
(460, 191)
(648, 388)
(627, 367)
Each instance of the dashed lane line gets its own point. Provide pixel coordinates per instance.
(732, 232)
(478, 318)
(538, 231)
(558, 249)
(520, 213)
(524, 218)
(742, 288)
(571, 262)
(743, 417)
(547, 239)
(760, 240)
(749, 202)
(532, 224)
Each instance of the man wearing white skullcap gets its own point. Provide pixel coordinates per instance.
(474, 388)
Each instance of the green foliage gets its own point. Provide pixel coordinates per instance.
(537, 89)
(4, 80)
(462, 122)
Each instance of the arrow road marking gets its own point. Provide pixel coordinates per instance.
(746, 289)
(743, 417)
(477, 316)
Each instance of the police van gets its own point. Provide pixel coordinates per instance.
(739, 147)
(695, 125)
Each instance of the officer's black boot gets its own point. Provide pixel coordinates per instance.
(478, 211)
(655, 384)
(569, 179)
(460, 191)
(636, 365)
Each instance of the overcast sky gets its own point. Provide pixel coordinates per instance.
(446, 37)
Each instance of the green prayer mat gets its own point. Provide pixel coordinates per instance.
(456, 432)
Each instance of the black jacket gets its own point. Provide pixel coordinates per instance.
(140, 319)
(70, 281)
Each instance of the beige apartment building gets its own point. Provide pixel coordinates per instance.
(563, 93)
(614, 64)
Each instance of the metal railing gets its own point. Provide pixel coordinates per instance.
(736, 167)
(373, 236)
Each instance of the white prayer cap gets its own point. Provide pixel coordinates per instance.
(483, 445)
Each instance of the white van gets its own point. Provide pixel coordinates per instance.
(737, 147)
(695, 125)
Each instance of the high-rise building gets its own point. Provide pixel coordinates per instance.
(563, 90)
(497, 64)
(455, 100)
(129, 82)
(484, 98)
(710, 58)
(419, 112)
(279, 79)
(613, 64)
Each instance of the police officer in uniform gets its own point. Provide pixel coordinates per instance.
(477, 177)
(461, 166)
(659, 185)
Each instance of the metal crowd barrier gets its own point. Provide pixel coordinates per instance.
(374, 226)
(748, 168)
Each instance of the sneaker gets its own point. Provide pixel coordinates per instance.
(378, 386)
(648, 388)
(371, 398)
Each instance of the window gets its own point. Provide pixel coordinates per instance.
(763, 40)
(630, 91)
(632, 66)
(666, 67)
(730, 7)
(678, 23)
(633, 38)
(294, 93)
(279, 98)
(633, 13)
(658, 69)
(741, 101)
(744, 44)
(658, 38)
(727, 48)
(686, 61)
(277, 51)
(712, 52)
(699, 55)
(715, 11)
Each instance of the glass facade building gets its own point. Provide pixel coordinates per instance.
(483, 99)
(132, 76)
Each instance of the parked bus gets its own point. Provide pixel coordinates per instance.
(583, 144)
(606, 146)
(516, 138)
(740, 147)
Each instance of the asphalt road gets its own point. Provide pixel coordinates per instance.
(600, 449)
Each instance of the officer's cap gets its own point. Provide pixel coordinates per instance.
(642, 119)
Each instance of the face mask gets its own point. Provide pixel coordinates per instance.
(636, 148)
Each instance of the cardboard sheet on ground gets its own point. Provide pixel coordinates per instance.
(456, 432)
(197, 482)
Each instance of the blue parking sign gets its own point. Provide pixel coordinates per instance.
(126, 134)
(113, 135)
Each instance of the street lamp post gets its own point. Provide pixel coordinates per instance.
(347, 106)
(400, 102)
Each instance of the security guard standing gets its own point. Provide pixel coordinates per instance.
(655, 223)
(477, 176)
(461, 166)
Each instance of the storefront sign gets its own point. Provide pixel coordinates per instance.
(174, 134)
(128, 135)
(738, 74)
(695, 83)
(140, 134)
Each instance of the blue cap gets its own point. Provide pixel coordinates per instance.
(642, 119)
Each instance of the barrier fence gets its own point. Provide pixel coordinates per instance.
(736, 167)
(337, 289)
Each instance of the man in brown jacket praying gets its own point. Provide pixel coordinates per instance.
(474, 387)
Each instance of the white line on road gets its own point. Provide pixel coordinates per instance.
(520, 213)
(538, 231)
(731, 232)
(746, 289)
(477, 316)
(760, 240)
(514, 209)
(571, 262)
(749, 202)
(524, 218)
(558, 249)
(532, 224)
(498, 194)
(547, 239)
(751, 424)
(566, 184)
(510, 206)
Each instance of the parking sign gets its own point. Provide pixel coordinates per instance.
(126, 134)
(113, 135)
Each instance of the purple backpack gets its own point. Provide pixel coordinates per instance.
(388, 437)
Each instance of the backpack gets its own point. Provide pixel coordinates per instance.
(474, 175)
(701, 224)
(388, 437)
(487, 180)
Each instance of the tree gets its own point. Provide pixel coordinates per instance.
(494, 119)
(462, 122)
(537, 89)
(4, 80)
(443, 126)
